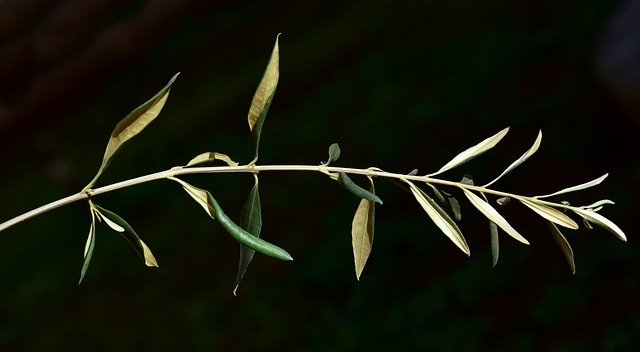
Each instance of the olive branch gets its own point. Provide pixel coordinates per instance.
(443, 208)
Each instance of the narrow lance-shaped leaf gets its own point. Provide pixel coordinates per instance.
(356, 190)
(495, 243)
(473, 151)
(263, 96)
(522, 159)
(564, 245)
(251, 221)
(493, 215)
(579, 187)
(334, 154)
(131, 125)
(89, 246)
(362, 228)
(212, 207)
(141, 249)
(440, 218)
(551, 214)
(601, 221)
(209, 157)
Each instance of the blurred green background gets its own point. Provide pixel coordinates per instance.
(399, 85)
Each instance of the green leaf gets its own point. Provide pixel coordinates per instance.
(263, 97)
(89, 246)
(550, 214)
(601, 221)
(356, 190)
(495, 243)
(579, 187)
(131, 125)
(440, 218)
(564, 245)
(334, 154)
(473, 151)
(141, 249)
(209, 157)
(250, 221)
(362, 228)
(522, 159)
(211, 206)
(493, 215)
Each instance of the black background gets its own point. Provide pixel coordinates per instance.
(399, 85)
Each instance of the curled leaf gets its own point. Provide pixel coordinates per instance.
(503, 201)
(564, 245)
(250, 221)
(551, 214)
(522, 159)
(473, 151)
(131, 125)
(493, 215)
(601, 221)
(579, 187)
(362, 228)
(211, 206)
(209, 157)
(141, 249)
(356, 190)
(440, 218)
(263, 96)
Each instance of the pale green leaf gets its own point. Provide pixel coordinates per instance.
(440, 218)
(598, 204)
(356, 190)
(250, 221)
(579, 187)
(493, 215)
(263, 96)
(89, 246)
(550, 214)
(564, 245)
(362, 229)
(141, 249)
(209, 157)
(473, 151)
(334, 154)
(495, 243)
(131, 125)
(522, 159)
(601, 221)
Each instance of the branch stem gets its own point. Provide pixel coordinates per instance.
(373, 172)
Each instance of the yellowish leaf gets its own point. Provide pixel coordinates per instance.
(440, 218)
(362, 229)
(522, 159)
(601, 221)
(131, 125)
(564, 245)
(473, 151)
(493, 215)
(579, 187)
(551, 214)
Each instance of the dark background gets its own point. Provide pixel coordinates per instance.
(399, 85)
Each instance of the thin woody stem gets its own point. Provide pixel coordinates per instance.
(372, 172)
